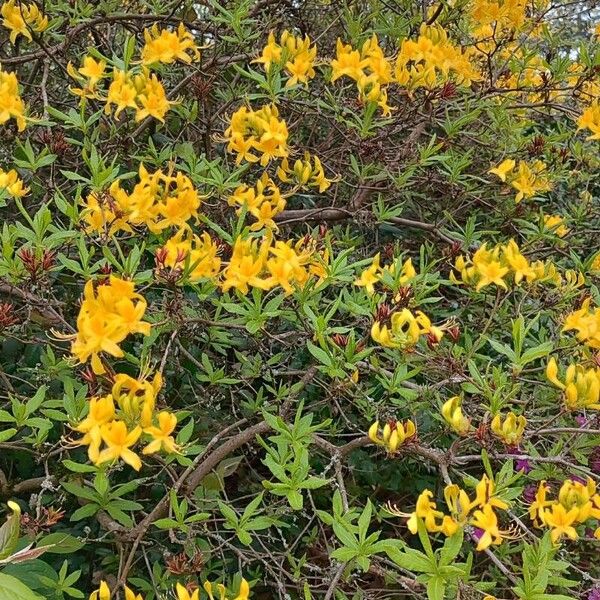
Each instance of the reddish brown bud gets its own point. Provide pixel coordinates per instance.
(340, 340)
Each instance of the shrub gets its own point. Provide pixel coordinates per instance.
(300, 299)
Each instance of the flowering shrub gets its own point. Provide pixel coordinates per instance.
(300, 300)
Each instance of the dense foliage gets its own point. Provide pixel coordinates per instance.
(299, 299)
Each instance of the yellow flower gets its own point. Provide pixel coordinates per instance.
(153, 100)
(295, 54)
(453, 415)
(425, 509)
(348, 62)
(19, 19)
(167, 46)
(484, 495)
(243, 594)
(131, 595)
(517, 263)
(539, 505)
(574, 494)
(91, 72)
(198, 254)
(260, 130)
(11, 105)
(161, 435)
(102, 593)
(370, 276)
(137, 397)
(458, 502)
(587, 324)
(530, 180)
(590, 119)
(183, 594)
(158, 201)
(511, 430)
(555, 223)
(307, 172)
(581, 386)
(394, 434)
(503, 169)
(101, 411)
(561, 521)
(106, 317)
(247, 263)
(486, 520)
(488, 268)
(121, 92)
(12, 184)
(271, 53)
(118, 441)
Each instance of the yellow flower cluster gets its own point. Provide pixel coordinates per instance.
(581, 386)
(306, 172)
(197, 255)
(454, 416)
(427, 62)
(12, 184)
(142, 92)
(556, 224)
(119, 431)
(432, 60)
(369, 68)
(404, 329)
(21, 19)
(586, 322)
(478, 512)
(373, 274)
(108, 314)
(393, 435)
(493, 19)
(527, 180)
(295, 54)
(509, 429)
(575, 505)
(165, 46)
(260, 131)
(158, 201)
(491, 267)
(11, 105)
(265, 265)
(103, 592)
(590, 119)
(88, 75)
(263, 201)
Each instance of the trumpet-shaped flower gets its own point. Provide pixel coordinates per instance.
(510, 429)
(453, 415)
(394, 434)
(118, 443)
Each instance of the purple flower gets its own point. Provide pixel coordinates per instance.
(529, 493)
(594, 594)
(477, 533)
(582, 420)
(523, 465)
(595, 460)
(578, 480)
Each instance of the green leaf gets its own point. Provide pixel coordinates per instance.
(12, 589)
(7, 434)
(295, 499)
(77, 467)
(436, 587)
(9, 532)
(62, 543)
